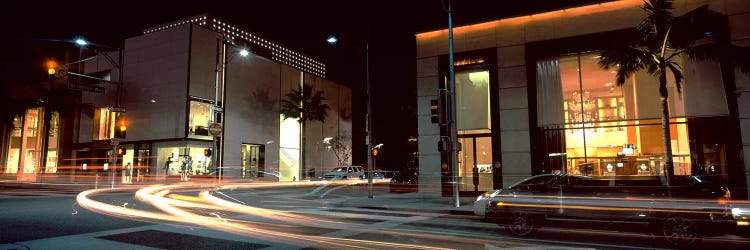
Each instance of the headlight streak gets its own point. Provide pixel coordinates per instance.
(171, 205)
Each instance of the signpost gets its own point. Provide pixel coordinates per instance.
(119, 109)
(214, 129)
(85, 87)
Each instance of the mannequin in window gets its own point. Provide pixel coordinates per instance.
(186, 168)
(168, 165)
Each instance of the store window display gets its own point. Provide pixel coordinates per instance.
(604, 129)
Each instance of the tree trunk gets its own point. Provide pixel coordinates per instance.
(668, 164)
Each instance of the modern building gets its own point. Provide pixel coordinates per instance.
(183, 82)
(532, 99)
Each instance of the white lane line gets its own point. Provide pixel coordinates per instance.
(329, 190)
(318, 189)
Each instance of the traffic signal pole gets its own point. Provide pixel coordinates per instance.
(452, 120)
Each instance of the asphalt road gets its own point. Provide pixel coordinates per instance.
(285, 217)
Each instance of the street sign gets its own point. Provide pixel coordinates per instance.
(84, 87)
(217, 109)
(119, 109)
(214, 129)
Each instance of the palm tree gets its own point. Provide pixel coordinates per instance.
(304, 105)
(664, 39)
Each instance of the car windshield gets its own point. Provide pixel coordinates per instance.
(339, 169)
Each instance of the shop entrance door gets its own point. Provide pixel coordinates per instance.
(475, 163)
(252, 160)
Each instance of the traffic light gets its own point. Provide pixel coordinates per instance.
(121, 128)
(51, 67)
(434, 112)
(207, 152)
(120, 150)
(374, 152)
(438, 108)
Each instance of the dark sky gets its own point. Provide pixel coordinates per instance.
(388, 25)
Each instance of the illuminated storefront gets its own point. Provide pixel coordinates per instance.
(602, 128)
(33, 144)
(550, 108)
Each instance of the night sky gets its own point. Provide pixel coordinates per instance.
(388, 26)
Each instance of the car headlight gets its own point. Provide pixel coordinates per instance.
(736, 212)
(488, 194)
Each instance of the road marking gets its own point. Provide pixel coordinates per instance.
(318, 189)
(329, 190)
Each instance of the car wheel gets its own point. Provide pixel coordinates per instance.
(522, 224)
(680, 231)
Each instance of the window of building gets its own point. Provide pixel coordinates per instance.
(593, 127)
(52, 143)
(14, 146)
(473, 126)
(200, 115)
(473, 102)
(104, 124)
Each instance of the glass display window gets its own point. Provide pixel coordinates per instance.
(199, 117)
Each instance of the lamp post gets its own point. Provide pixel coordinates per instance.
(117, 65)
(332, 40)
(220, 93)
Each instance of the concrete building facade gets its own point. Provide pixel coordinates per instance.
(174, 79)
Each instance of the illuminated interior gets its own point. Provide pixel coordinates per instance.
(473, 121)
(26, 137)
(289, 149)
(200, 115)
(608, 129)
(104, 124)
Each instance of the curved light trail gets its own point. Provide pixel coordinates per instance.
(205, 210)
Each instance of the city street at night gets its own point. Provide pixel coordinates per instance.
(389, 124)
(309, 215)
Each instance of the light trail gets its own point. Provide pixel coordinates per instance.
(178, 208)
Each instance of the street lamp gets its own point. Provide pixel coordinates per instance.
(117, 65)
(218, 107)
(333, 40)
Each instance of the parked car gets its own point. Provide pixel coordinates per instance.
(692, 207)
(404, 182)
(345, 172)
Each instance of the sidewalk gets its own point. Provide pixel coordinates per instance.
(411, 202)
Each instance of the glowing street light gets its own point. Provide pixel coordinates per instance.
(332, 40)
(82, 42)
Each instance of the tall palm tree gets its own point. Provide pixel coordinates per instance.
(305, 105)
(664, 38)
